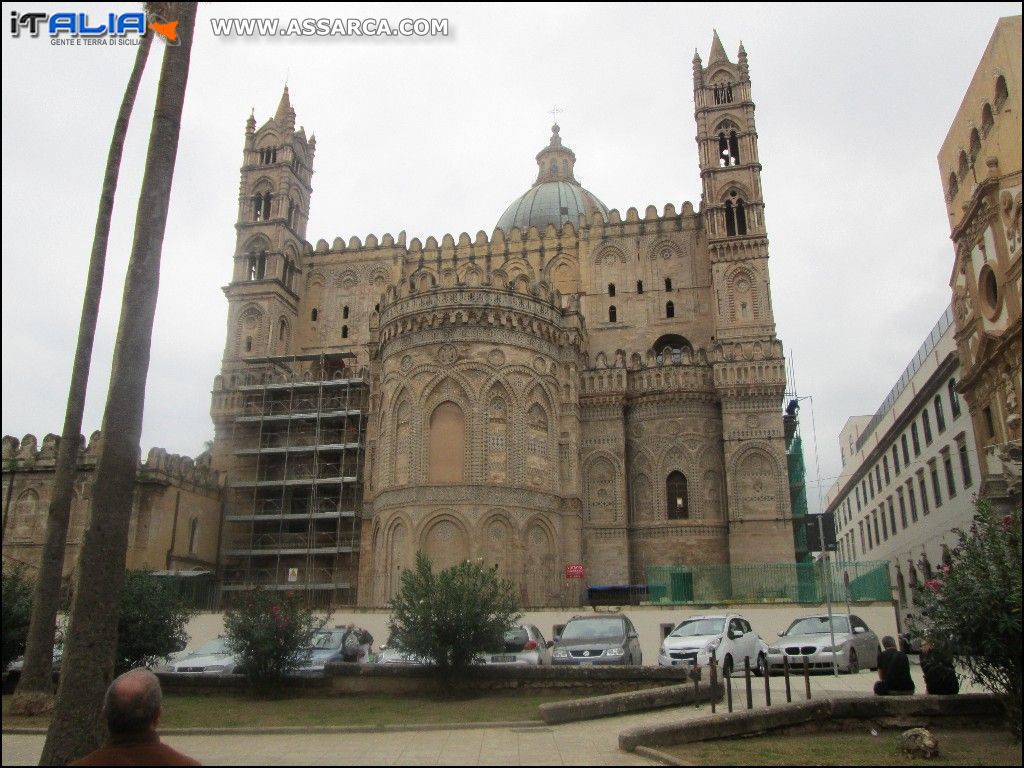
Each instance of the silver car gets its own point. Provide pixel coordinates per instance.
(729, 637)
(211, 658)
(604, 639)
(854, 648)
(521, 645)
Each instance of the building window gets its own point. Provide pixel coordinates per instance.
(668, 283)
(954, 399)
(892, 516)
(314, 314)
(248, 343)
(965, 462)
(913, 501)
(282, 329)
(927, 423)
(446, 444)
(940, 417)
(933, 469)
(344, 331)
(863, 548)
(344, 312)
(856, 489)
(915, 439)
(874, 519)
(922, 486)
(611, 289)
(735, 216)
(675, 494)
(895, 460)
(990, 424)
(903, 507)
(639, 286)
(885, 525)
(193, 537)
(1002, 94)
(871, 484)
(878, 478)
(670, 310)
(612, 314)
(906, 453)
(885, 468)
(901, 586)
(947, 464)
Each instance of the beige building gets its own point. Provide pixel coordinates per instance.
(581, 386)
(910, 472)
(176, 510)
(980, 162)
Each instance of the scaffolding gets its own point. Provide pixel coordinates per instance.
(298, 442)
(797, 480)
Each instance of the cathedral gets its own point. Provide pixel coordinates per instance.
(580, 387)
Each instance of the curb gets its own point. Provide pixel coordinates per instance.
(662, 757)
(295, 730)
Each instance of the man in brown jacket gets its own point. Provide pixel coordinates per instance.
(132, 709)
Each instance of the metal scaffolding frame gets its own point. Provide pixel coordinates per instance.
(299, 440)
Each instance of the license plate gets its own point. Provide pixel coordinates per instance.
(586, 663)
(502, 659)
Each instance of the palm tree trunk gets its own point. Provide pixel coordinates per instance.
(35, 687)
(91, 640)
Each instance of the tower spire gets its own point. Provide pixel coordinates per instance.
(718, 54)
(285, 115)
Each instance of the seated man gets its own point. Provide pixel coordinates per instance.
(939, 674)
(893, 671)
(132, 708)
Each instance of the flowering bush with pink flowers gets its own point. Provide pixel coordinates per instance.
(971, 607)
(268, 632)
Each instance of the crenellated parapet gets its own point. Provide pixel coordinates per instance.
(749, 368)
(176, 470)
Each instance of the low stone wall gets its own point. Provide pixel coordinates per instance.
(828, 714)
(399, 680)
(624, 703)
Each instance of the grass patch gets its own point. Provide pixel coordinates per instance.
(983, 746)
(224, 711)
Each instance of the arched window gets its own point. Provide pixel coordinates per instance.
(669, 348)
(612, 314)
(344, 331)
(940, 417)
(964, 165)
(344, 312)
(314, 314)
(193, 537)
(954, 399)
(987, 121)
(954, 186)
(975, 145)
(639, 286)
(282, 329)
(248, 343)
(927, 423)
(734, 148)
(741, 218)
(675, 495)
(670, 310)
(735, 215)
(730, 219)
(611, 289)
(447, 444)
(668, 283)
(1001, 93)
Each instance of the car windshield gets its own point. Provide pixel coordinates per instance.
(699, 627)
(817, 625)
(592, 629)
(327, 640)
(211, 648)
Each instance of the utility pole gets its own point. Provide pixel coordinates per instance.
(828, 592)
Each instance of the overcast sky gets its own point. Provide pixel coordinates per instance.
(438, 135)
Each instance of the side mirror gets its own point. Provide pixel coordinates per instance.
(735, 634)
(551, 643)
(859, 630)
(557, 638)
(780, 633)
(633, 636)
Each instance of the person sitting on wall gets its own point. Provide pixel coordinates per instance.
(893, 671)
(940, 678)
(132, 707)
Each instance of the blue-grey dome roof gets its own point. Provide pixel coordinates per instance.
(551, 202)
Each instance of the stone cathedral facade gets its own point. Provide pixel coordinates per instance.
(578, 387)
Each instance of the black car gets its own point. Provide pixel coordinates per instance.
(603, 639)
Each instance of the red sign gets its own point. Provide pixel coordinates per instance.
(574, 571)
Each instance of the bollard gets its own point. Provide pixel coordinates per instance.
(767, 684)
(728, 687)
(807, 675)
(695, 674)
(785, 671)
(713, 676)
(746, 677)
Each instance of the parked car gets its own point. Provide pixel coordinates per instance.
(391, 655)
(604, 639)
(855, 645)
(211, 658)
(19, 663)
(730, 637)
(524, 644)
(326, 648)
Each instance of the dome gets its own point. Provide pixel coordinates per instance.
(551, 202)
(555, 197)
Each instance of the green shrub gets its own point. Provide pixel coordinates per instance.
(971, 607)
(268, 631)
(449, 617)
(17, 610)
(151, 625)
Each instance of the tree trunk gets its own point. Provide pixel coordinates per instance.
(35, 687)
(91, 639)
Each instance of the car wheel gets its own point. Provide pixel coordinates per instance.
(727, 667)
(854, 667)
(762, 666)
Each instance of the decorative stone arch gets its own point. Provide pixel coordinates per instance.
(402, 438)
(499, 409)
(444, 538)
(562, 272)
(540, 430)
(26, 514)
(539, 582)
(422, 280)
(282, 335)
(756, 483)
(473, 276)
(610, 254)
(711, 496)
(643, 497)
(399, 553)
(347, 279)
(250, 331)
(498, 542)
(602, 473)
(745, 302)
(446, 420)
(519, 268)
(677, 459)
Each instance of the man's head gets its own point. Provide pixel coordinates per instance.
(132, 703)
(888, 642)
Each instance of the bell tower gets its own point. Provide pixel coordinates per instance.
(749, 368)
